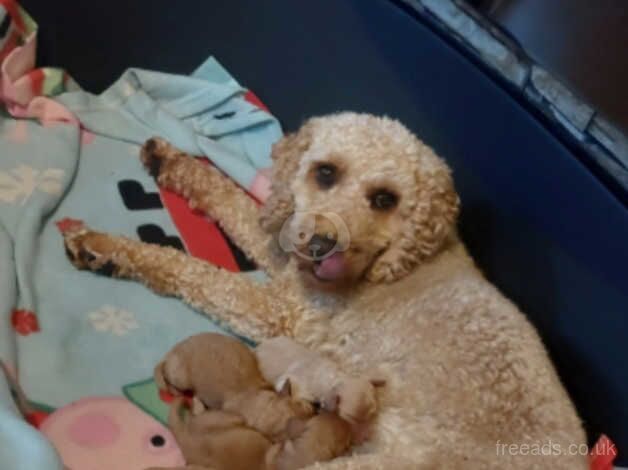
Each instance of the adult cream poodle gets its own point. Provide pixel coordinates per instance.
(359, 239)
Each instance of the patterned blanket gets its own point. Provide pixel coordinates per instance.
(82, 347)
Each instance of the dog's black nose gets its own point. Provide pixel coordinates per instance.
(320, 245)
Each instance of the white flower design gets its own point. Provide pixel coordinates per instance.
(113, 320)
(19, 183)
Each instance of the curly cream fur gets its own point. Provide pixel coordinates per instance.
(260, 312)
(429, 225)
(464, 369)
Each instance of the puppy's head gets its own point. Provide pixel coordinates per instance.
(355, 197)
(211, 367)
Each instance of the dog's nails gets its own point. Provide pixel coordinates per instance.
(86, 256)
(70, 254)
(148, 156)
(150, 145)
(108, 269)
(153, 164)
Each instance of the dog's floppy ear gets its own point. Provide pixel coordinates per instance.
(286, 155)
(286, 389)
(432, 220)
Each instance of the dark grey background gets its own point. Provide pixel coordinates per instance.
(582, 42)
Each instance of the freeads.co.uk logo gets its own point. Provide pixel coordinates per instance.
(314, 236)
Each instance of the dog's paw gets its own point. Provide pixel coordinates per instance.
(154, 153)
(83, 255)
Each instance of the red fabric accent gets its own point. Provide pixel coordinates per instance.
(37, 81)
(202, 238)
(24, 322)
(69, 225)
(200, 234)
(14, 12)
(168, 397)
(603, 454)
(36, 418)
(253, 99)
(165, 396)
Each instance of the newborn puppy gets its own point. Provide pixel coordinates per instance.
(243, 410)
(324, 437)
(217, 440)
(197, 365)
(317, 379)
(223, 374)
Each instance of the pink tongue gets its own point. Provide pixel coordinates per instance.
(331, 268)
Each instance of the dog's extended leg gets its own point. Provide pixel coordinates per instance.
(211, 192)
(255, 310)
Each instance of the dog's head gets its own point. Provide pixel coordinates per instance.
(355, 197)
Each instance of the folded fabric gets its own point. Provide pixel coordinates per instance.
(205, 114)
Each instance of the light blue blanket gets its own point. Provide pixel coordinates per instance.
(71, 336)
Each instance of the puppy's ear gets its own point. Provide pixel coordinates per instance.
(286, 155)
(432, 221)
(286, 389)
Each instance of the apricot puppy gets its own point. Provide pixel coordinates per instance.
(244, 416)
(316, 379)
(217, 440)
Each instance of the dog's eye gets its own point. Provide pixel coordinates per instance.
(383, 200)
(326, 175)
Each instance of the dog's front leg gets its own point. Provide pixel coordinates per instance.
(257, 311)
(213, 193)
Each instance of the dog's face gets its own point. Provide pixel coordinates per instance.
(357, 196)
(347, 209)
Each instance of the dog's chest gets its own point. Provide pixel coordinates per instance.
(401, 356)
(367, 340)
(404, 339)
